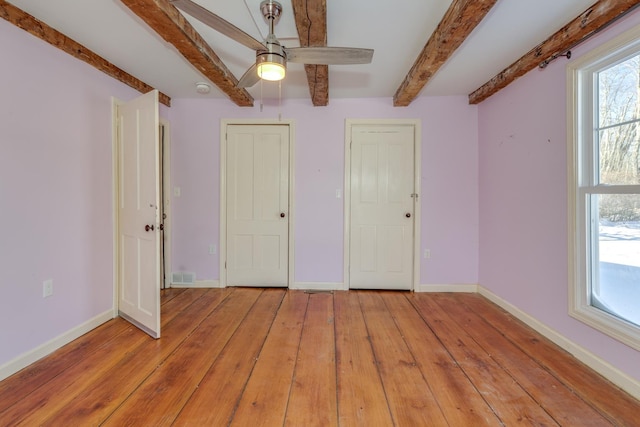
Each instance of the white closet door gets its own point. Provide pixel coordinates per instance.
(257, 205)
(382, 215)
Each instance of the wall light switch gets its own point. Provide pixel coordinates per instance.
(176, 191)
(47, 288)
(338, 193)
(427, 253)
(213, 249)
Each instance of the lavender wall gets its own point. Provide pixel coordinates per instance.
(449, 196)
(523, 202)
(55, 191)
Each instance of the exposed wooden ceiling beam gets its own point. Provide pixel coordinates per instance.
(23, 20)
(173, 27)
(456, 25)
(589, 22)
(311, 22)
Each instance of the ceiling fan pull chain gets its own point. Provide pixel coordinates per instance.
(261, 104)
(280, 100)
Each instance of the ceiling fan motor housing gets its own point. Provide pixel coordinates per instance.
(274, 54)
(273, 49)
(271, 10)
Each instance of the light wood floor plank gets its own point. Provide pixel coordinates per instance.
(170, 293)
(215, 400)
(171, 385)
(44, 370)
(313, 400)
(95, 400)
(57, 393)
(361, 398)
(265, 397)
(410, 399)
(506, 397)
(564, 406)
(619, 407)
(273, 357)
(459, 399)
(179, 302)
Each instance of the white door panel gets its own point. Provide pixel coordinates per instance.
(139, 197)
(382, 207)
(257, 205)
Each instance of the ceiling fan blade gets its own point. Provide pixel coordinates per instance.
(217, 23)
(249, 78)
(325, 55)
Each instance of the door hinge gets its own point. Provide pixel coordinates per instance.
(414, 195)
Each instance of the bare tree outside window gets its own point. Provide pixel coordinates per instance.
(616, 242)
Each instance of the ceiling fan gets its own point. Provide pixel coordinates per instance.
(271, 56)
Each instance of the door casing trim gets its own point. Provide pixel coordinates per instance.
(167, 208)
(417, 160)
(224, 123)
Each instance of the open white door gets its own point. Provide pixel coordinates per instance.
(138, 213)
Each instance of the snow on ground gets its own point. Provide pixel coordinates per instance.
(620, 269)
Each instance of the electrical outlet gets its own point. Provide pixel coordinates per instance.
(427, 253)
(47, 288)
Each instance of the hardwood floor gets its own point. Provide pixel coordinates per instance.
(271, 357)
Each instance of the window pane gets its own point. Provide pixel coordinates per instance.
(618, 93)
(615, 284)
(619, 153)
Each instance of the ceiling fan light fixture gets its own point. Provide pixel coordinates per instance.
(271, 67)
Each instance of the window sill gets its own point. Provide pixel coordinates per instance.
(623, 331)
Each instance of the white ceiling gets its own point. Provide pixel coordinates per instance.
(397, 31)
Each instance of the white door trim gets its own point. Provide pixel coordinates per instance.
(166, 185)
(114, 199)
(349, 124)
(224, 123)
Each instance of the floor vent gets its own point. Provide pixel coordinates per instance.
(183, 278)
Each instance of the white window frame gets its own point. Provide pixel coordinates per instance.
(581, 116)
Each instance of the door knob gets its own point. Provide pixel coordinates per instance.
(161, 227)
(408, 215)
(281, 214)
(149, 227)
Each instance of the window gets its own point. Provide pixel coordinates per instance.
(604, 188)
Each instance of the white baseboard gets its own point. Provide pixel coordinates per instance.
(619, 378)
(318, 286)
(49, 347)
(473, 288)
(198, 284)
